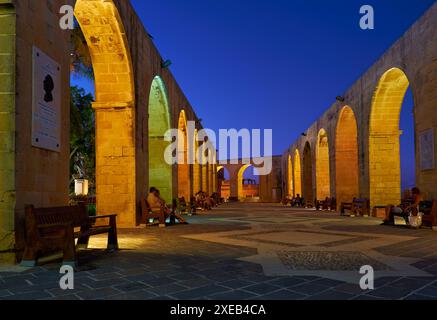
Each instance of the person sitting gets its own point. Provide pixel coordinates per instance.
(156, 203)
(405, 209)
(298, 201)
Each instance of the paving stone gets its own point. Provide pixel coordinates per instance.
(262, 288)
(283, 294)
(409, 283)
(233, 295)
(32, 295)
(200, 292)
(389, 292)
(167, 289)
(236, 284)
(309, 288)
(287, 282)
(428, 291)
(97, 294)
(419, 297)
(332, 295)
(134, 295)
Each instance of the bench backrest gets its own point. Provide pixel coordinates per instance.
(363, 202)
(77, 216)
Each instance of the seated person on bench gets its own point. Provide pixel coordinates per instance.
(156, 203)
(297, 201)
(405, 210)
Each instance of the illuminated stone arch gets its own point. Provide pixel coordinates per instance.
(323, 178)
(384, 133)
(106, 38)
(290, 186)
(307, 174)
(104, 32)
(346, 157)
(184, 179)
(240, 180)
(160, 173)
(297, 169)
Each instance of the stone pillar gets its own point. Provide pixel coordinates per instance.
(115, 163)
(7, 129)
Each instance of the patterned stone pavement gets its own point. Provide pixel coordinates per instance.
(246, 251)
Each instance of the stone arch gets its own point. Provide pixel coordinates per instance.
(160, 173)
(111, 59)
(290, 186)
(307, 176)
(104, 32)
(323, 176)
(346, 157)
(184, 179)
(384, 133)
(241, 172)
(297, 169)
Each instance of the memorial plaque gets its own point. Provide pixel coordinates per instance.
(46, 109)
(426, 146)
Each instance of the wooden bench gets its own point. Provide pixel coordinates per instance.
(357, 207)
(147, 214)
(50, 229)
(430, 217)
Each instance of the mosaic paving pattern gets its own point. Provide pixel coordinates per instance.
(245, 252)
(332, 261)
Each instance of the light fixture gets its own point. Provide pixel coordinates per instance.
(165, 64)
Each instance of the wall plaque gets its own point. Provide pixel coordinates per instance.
(46, 109)
(426, 146)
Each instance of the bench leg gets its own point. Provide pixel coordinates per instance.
(112, 235)
(69, 250)
(82, 242)
(29, 257)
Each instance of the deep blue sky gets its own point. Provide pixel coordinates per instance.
(274, 63)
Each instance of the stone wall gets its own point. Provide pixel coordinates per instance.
(415, 54)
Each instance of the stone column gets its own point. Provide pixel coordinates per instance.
(115, 163)
(7, 130)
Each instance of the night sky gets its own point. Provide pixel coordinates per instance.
(275, 64)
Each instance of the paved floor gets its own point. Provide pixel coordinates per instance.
(247, 251)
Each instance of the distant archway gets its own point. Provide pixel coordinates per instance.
(346, 157)
(160, 173)
(297, 174)
(290, 186)
(322, 166)
(308, 193)
(184, 181)
(384, 147)
(247, 188)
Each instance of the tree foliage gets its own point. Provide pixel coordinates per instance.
(82, 135)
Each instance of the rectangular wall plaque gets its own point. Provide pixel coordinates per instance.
(426, 146)
(46, 109)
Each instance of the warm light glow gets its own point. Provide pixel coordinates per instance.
(160, 173)
(384, 150)
(346, 157)
(184, 181)
(241, 172)
(297, 174)
(322, 166)
(106, 38)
